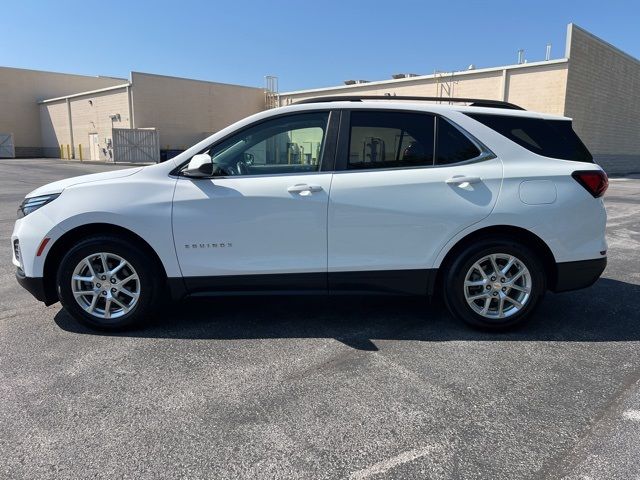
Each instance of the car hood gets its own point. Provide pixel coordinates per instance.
(60, 185)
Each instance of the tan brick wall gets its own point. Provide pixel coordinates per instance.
(54, 125)
(20, 91)
(89, 114)
(486, 85)
(480, 85)
(541, 89)
(603, 98)
(425, 88)
(186, 111)
(94, 118)
(537, 87)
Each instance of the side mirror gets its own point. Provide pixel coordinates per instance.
(199, 166)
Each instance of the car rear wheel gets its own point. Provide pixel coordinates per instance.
(494, 284)
(107, 282)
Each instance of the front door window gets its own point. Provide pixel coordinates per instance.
(291, 144)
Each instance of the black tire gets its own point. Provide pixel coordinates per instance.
(454, 283)
(148, 272)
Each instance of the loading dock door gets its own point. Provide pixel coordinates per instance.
(136, 145)
(7, 149)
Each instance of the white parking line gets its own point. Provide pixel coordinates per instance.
(388, 464)
(632, 415)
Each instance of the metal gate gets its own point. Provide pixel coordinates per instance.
(135, 145)
(7, 148)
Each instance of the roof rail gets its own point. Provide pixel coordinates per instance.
(474, 102)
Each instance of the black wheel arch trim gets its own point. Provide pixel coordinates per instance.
(502, 232)
(57, 250)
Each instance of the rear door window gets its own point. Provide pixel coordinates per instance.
(390, 140)
(549, 138)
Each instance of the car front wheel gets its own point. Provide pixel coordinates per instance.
(107, 282)
(494, 284)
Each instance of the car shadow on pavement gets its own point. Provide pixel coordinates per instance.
(606, 312)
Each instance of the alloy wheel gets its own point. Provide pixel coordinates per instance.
(105, 285)
(497, 286)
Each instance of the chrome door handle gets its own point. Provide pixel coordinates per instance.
(462, 179)
(303, 187)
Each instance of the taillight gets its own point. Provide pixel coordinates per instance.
(594, 181)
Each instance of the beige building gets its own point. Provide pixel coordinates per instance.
(20, 91)
(181, 111)
(46, 114)
(595, 83)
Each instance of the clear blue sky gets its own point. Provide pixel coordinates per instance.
(306, 44)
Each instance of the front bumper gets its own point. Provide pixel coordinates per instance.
(29, 231)
(576, 275)
(36, 287)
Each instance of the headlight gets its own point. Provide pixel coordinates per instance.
(32, 204)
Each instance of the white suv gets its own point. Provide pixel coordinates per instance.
(485, 203)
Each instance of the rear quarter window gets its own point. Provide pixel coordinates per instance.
(452, 146)
(549, 138)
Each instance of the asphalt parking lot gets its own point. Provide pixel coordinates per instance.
(323, 387)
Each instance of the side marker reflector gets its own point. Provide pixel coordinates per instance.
(42, 246)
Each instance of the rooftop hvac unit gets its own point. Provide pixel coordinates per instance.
(355, 82)
(397, 76)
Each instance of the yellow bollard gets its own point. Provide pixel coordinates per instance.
(68, 152)
(61, 151)
(80, 151)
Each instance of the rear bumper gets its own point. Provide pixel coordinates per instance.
(576, 275)
(35, 286)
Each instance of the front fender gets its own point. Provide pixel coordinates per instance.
(157, 234)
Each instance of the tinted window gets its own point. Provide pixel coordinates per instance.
(452, 145)
(549, 138)
(284, 145)
(390, 140)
